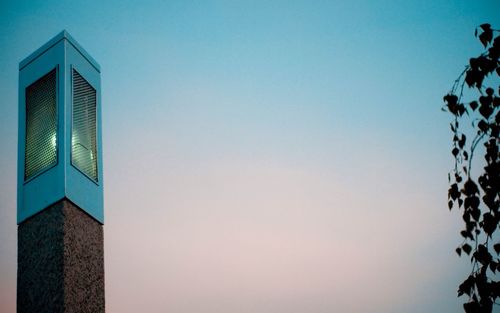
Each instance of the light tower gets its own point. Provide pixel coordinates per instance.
(60, 183)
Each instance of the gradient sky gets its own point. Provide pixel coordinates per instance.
(263, 156)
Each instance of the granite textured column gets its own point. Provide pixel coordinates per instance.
(60, 261)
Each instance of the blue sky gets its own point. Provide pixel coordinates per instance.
(263, 156)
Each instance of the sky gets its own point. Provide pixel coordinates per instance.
(263, 156)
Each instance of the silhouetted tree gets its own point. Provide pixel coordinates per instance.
(476, 195)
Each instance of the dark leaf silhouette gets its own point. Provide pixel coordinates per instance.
(473, 105)
(497, 248)
(489, 223)
(466, 286)
(482, 255)
(486, 37)
(467, 248)
(485, 26)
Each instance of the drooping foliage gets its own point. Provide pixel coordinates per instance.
(474, 183)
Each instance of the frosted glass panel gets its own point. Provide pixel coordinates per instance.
(41, 134)
(84, 130)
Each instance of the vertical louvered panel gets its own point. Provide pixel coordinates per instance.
(40, 146)
(84, 130)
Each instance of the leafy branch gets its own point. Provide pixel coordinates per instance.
(479, 205)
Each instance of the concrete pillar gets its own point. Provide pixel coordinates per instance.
(60, 262)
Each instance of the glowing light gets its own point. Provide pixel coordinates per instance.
(53, 140)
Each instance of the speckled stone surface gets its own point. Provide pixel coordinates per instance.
(60, 262)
